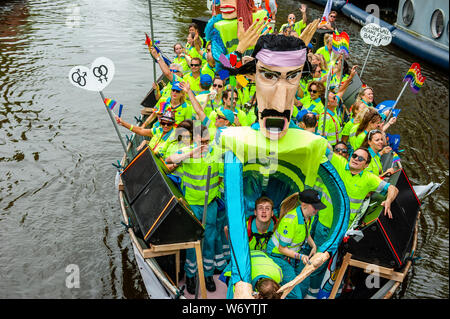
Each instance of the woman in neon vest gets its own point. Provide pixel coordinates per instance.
(375, 143)
(158, 138)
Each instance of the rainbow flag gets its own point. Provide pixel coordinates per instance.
(110, 103)
(414, 77)
(340, 43)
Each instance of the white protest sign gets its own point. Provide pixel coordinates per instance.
(95, 78)
(376, 35)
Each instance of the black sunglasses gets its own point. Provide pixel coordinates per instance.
(341, 150)
(166, 123)
(195, 64)
(359, 158)
(218, 86)
(312, 91)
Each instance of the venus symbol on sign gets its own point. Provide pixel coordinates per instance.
(78, 78)
(99, 72)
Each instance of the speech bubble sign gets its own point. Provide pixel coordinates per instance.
(95, 78)
(376, 35)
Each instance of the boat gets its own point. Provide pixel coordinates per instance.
(160, 264)
(378, 249)
(421, 28)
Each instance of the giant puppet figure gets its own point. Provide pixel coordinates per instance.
(222, 29)
(273, 157)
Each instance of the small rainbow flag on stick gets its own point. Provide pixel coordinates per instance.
(414, 77)
(110, 103)
(340, 43)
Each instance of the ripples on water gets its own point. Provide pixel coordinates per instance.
(58, 205)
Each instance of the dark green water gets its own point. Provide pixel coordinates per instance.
(58, 203)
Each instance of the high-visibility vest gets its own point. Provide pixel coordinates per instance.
(195, 172)
(291, 233)
(159, 139)
(262, 267)
(375, 165)
(193, 82)
(333, 127)
(315, 106)
(257, 240)
(354, 140)
(298, 27)
(326, 54)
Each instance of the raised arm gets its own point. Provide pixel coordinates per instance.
(195, 104)
(163, 66)
(346, 83)
(303, 11)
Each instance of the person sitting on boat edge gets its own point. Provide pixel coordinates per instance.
(331, 23)
(158, 137)
(195, 163)
(358, 184)
(291, 232)
(296, 26)
(375, 143)
(266, 275)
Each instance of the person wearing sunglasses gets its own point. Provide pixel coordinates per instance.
(358, 183)
(183, 141)
(341, 149)
(195, 163)
(331, 23)
(203, 97)
(296, 26)
(177, 103)
(312, 102)
(158, 137)
(194, 77)
(375, 142)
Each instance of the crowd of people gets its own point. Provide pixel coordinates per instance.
(197, 105)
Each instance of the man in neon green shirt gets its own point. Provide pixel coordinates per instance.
(194, 77)
(296, 26)
(358, 183)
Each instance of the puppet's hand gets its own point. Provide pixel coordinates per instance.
(247, 38)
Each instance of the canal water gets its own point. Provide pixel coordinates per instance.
(59, 209)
